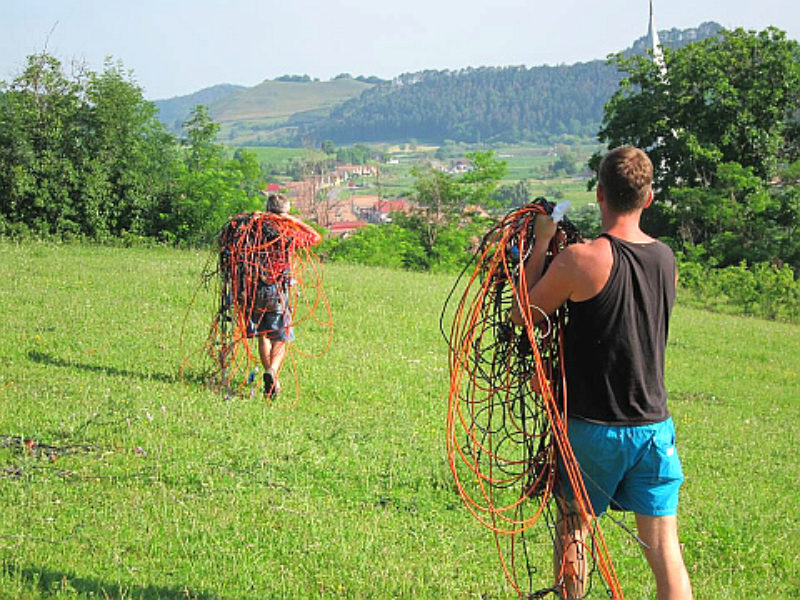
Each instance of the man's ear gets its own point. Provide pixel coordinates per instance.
(599, 193)
(649, 198)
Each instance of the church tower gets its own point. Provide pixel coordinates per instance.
(654, 44)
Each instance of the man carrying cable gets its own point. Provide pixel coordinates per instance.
(270, 318)
(619, 290)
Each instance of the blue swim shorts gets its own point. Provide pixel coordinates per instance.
(630, 468)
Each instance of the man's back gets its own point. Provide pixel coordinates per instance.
(615, 338)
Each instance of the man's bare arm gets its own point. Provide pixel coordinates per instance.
(313, 233)
(544, 229)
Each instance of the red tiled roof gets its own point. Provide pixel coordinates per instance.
(391, 205)
(346, 225)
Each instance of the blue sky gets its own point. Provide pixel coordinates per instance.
(177, 47)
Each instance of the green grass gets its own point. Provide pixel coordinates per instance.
(271, 99)
(180, 494)
(279, 157)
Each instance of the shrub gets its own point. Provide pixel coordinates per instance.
(762, 289)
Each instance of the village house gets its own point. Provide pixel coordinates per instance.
(381, 210)
(345, 228)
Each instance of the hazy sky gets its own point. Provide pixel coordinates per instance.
(177, 47)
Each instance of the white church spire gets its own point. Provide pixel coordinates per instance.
(654, 44)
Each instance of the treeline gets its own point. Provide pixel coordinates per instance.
(486, 104)
(85, 157)
(476, 105)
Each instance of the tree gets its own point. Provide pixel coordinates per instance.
(441, 199)
(201, 133)
(512, 195)
(565, 164)
(716, 128)
(725, 99)
(40, 149)
(328, 147)
(211, 188)
(131, 160)
(80, 156)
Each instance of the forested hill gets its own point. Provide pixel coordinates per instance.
(477, 104)
(487, 103)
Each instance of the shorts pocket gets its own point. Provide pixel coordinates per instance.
(665, 455)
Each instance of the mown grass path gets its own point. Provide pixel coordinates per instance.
(146, 485)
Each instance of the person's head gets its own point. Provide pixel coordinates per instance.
(626, 176)
(277, 203)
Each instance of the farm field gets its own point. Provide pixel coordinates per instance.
(156, 487)
(280, 157)
(527, 162)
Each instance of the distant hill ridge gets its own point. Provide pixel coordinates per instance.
(173, 112)
(471, 104)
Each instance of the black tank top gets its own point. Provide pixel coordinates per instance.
(615, 341)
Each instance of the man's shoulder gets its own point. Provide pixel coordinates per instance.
(586, 254)
(586, 266)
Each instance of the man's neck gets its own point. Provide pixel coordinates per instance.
(625, 227)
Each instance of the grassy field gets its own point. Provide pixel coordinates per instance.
(285, 98)
(276, 157)
(159, 488)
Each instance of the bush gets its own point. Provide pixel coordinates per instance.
(374, 245)
(762, 290)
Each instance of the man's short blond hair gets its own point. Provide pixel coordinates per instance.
(626, 174)
(277, 203)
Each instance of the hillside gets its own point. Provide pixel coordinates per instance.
(282, 99)
(470, 105)
(474, 105)
(173, 112)
(488, 103)
(262, 106)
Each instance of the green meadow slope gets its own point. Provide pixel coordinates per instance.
(281, 99)
(159, 488)
(254, 115)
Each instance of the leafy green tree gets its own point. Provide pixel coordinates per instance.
(441, 199)
(202, 151)
(565, 164)
(716, 127)
(131, 160)
(726, 99)
(479, 183)
(512, 195)
(41, 149)
(211, 187)
(328, 147)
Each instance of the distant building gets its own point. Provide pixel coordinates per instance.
(345, 172)
(345, 228)
(475, 210)
(379, 212)
(460, 165)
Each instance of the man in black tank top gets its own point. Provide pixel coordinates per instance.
(619, 290)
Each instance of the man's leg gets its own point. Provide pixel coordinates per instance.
(267, 351)
(663, 553)
(569, 553)
(277, 354)
(264, 350)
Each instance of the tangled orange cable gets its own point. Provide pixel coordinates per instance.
(506, 429)
(257, 247)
